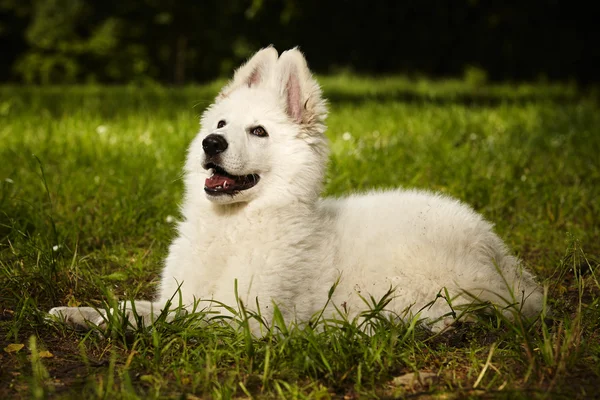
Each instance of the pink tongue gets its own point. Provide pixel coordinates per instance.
(218, 180)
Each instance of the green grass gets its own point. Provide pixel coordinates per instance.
(90, 181)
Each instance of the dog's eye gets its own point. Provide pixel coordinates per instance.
(221, 124)
(259, 131)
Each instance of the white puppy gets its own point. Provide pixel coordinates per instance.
(253, 213)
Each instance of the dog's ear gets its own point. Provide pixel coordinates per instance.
(299, 90)
(256, 71)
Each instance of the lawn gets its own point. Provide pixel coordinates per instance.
(90, 182)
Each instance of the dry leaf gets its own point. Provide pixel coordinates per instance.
(46, 354)
(14, 347)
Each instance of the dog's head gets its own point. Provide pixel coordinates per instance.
(263, 138)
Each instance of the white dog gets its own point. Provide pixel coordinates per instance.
(252, 213)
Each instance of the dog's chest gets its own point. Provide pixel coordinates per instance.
(251, 257)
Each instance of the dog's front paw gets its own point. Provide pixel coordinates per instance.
(79, 317)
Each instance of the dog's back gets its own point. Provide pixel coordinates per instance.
(421, 244)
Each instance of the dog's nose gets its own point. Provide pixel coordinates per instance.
(214, 144)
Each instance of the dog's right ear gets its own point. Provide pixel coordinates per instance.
(253, 73)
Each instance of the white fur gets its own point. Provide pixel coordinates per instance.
(284, 244)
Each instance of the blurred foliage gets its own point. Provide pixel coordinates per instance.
(56, 44)
(146, 41)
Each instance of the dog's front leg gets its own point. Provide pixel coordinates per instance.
(79, 317)
(136, 313)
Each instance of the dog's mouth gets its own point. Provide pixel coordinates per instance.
(221, 182)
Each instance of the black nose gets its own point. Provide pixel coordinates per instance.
(214, 144)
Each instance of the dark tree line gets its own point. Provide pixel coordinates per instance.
(179, 41)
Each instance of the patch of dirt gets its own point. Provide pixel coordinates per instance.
(67, 370)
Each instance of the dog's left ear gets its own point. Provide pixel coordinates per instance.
(299, 90)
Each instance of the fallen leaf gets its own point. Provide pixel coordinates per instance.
(14, 347)
(46, 354)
